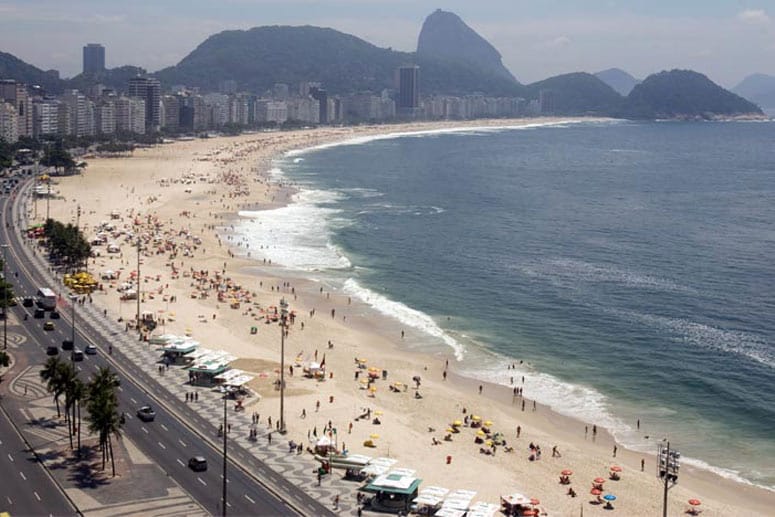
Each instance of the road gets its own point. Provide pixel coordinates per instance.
(167, 440)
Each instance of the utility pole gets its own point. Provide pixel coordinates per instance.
(5, 302)
(139, 328)
(73, 299)
(283, 319)
(225, 430)
(668, 463)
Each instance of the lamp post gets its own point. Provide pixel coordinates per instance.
(73, 299)
(668, 463)
(139, 328)
(225, 430)
(283, 319)
(5, 302)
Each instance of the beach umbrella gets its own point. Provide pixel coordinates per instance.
(616, 468)
(378, 412)
(599, 480)
(609, 497)
(695, 502)
(476, 418)
(450, 430)
(480, 433)
(457, 423)
(488, 423)
(567, 472)
(534, 501)
(488, 443)
(595, 491)
(374, 436)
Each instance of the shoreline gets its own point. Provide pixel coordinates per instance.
(549, 426)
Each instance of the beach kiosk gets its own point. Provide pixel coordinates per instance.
(175, 351)
(203, 370)
(393, 492)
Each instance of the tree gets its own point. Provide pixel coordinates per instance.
(76, 393)
(51, 374)
(66, 242)
(57, 156)
(104, 418)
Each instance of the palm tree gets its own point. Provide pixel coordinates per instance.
(104, 418)
(66, 377)
(75, 393)
(51, 374)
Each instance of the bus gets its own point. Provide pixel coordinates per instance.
(47, 299)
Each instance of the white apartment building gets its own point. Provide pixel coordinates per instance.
(9, 122)
(130, 115)
(45, 117)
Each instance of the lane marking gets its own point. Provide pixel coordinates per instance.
(36, 495)
(144, 429)
(10, 457)
(161, 445)
(133, 400)
(200, 480)
(181, 442)
(23, 476)
(164, 427)
(9, 500)
(181, 463)
(120, 388)
(249, 499)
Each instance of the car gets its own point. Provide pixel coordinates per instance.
(28, 301)
(67, 344)
(90, 349)
(39, 313)
(146, 414)
(54, 315)
(49, 325)
(52, 350)
(197, 463)
(76, 355)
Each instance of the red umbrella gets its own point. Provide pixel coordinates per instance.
(616, 468)
(566, 472)
(695, 502)
(534, 501)
(596, 491)
(599, 480)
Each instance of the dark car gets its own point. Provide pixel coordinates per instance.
(52, 350)
(49, 325)
(28, 301)
(39, 313)
(54, 315)
(146, 414)
(76, 355)
(197, 464)
(67, 344)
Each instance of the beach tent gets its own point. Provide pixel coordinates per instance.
(482, 509)
(378, 466)
(449, 512)
(458, 500)
(430, 498)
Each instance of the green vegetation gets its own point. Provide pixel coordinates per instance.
(578, 94)
(684, 93)
(12, 67)
(57, 156)
(101, 402)
(66, 243)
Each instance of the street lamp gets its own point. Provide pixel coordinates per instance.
(139, 328)
(668, 463)
(283, 320)
(73, 299)
(225, 430)
(5, 302)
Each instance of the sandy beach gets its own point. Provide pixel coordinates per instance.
(183, 199)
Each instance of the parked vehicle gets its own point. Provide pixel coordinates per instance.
(52, 350)
(76, 355)
(197, 463)
(67, 344)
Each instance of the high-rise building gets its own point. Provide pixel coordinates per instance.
(45, 117)
(321, 96)
(149, 90)
(16, 94)
(93, 58)
(130, 115)
(408, 87)
(9, 124)
(80, 119)
(171, 104)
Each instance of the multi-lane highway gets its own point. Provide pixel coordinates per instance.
(178, 432)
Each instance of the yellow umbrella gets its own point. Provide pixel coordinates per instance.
(488, 442)
(378, 412)
(488, 423)
(450, 430)
(373, 389)
(480, 433)
(476, 418)
(374, 436)
(457, 423)
(364, 381)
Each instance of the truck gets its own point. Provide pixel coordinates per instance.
(47, 299)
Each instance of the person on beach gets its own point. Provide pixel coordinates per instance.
(614, 451)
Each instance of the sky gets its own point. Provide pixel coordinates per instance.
(724, 39)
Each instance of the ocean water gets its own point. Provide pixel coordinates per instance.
(630, 266)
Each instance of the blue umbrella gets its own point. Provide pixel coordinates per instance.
(609, 497)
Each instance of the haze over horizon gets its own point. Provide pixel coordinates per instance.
(725, 40)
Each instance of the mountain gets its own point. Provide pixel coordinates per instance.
(446, 38)
(684, 93)
(12, 67)
(758, 88)
(618, 79)
(578, 94)
(260, 57)
(114, 78)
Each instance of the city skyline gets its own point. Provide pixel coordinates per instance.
(536, 39)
